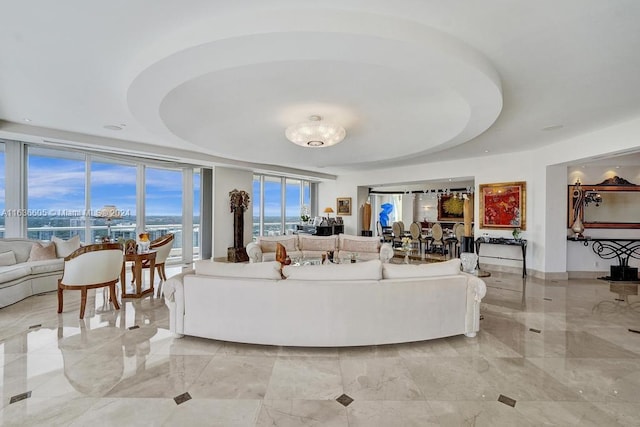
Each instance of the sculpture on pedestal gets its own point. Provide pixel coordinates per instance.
(385, 211)
(239, 203)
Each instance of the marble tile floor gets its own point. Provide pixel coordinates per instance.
(561, 350)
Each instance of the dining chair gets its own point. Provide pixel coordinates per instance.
(91, 267)
(162, 245)
(384, 237)
(458, 231)
(437, 240)
(398, 233)
(415, 229)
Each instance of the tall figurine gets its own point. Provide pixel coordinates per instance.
(578, 205)
(239, 203)
(385, 210)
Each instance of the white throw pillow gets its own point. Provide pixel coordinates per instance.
(40, 252)
(368, 270)
(259, 270)
(411, 271)
(65, 248)
(317, 243)
(362, 244)
(7, 258)
(268, 244)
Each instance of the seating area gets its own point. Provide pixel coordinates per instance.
(196, 131)
(29, 267)
(300, 246)
(426, 241)
(32, 267)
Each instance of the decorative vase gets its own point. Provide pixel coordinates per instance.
(577, 228)
(469, 262)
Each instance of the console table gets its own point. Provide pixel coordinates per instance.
(502, 241)
(620, 249)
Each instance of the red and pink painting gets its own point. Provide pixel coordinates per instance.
(503, 205)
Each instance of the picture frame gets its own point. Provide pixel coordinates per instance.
(450, 208)
(503, 205)
(343, 206)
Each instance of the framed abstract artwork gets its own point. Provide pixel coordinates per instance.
(450, 208)
(343, 205)
(503, 205)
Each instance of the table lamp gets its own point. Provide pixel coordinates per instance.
(109, 212)
(328, 211)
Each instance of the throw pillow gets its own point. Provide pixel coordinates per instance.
(317, 243)
(359, 245)
(64, 248)
(269, 244)
(40, 252)
(7, 258)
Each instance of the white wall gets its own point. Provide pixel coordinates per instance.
(407, 209)
(224, 181)
(544, 170)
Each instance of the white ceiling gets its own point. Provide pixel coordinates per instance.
(411, 80)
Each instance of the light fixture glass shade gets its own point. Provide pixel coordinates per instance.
(315, 133)
(109, 212)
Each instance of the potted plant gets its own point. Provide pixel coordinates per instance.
(516, 233)
(304, 214)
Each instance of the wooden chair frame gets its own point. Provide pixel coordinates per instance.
(84, 288)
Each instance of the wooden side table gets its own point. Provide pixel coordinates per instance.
(138, 259)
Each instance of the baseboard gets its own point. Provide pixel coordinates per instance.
(501, 268)
(587, 274)
(550, 276)
(530, 272)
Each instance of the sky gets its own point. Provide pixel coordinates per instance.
(272, 190)
(58, 185)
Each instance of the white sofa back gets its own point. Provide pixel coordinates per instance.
(326, 305)
(309, 246)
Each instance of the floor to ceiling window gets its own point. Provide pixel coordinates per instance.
(278, 204)
(97, 196)
(257, 197)
(196, 214)
(163, 205)
(113, 201)
(55, 194)
(2, 187)
(293, 203)
(272, 195)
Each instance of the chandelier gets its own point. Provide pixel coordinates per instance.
(315, 133)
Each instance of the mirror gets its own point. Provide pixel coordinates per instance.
(619, 206)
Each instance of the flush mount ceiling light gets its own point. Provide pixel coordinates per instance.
(315, 133)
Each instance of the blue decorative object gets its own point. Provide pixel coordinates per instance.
(387, 208)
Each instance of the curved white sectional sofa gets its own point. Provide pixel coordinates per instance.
(25, 278)
(308, 246)
(366, 303)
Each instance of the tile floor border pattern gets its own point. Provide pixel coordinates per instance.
(583, 368)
